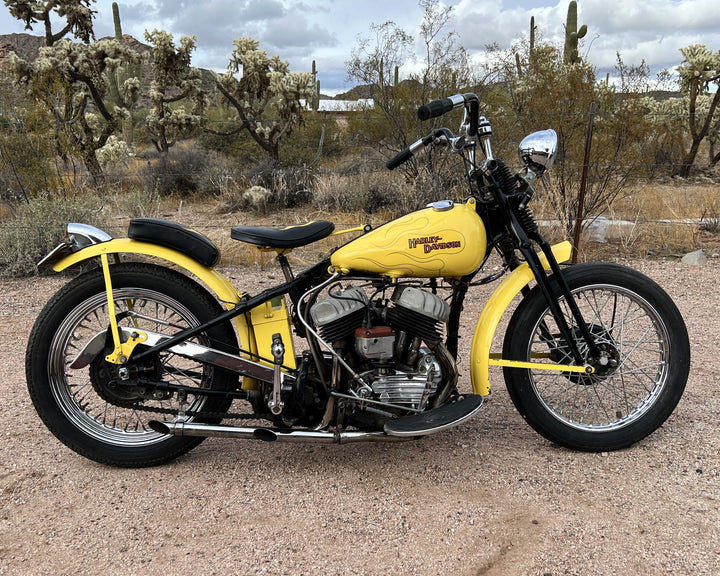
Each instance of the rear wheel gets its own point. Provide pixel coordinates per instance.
(90, 409)
(638, 379)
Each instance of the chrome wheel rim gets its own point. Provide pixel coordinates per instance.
(73, 390)
(622, 321)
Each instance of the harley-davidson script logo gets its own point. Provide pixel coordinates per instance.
(430, 243)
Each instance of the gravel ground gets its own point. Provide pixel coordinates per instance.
(489, 497)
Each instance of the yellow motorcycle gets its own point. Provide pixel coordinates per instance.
(137, 360)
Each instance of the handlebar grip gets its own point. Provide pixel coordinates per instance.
(399, 158)
(435, 108)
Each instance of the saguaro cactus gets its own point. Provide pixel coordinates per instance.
(532, 35)
(315, 98)
(531, 50)
(572, 35)
(116, 21)
(123, 83)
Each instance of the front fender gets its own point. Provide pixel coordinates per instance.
(492, 312)
(215, 281)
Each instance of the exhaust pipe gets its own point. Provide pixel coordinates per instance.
(180, 428)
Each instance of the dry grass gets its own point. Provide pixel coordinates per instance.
(675, 201)
(648, 207)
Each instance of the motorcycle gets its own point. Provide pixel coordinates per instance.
(133, 363)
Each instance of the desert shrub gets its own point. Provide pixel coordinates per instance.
(239, 145)
(23, 163)
(303, 144)
(366, 192)
(173, 173)
(139, 203)
(289, 186)
(38, 226)
(190, 172)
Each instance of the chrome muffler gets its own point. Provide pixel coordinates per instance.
(180, 428)
(407, 428)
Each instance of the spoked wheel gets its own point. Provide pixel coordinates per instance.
(638, 378)
(90, 409)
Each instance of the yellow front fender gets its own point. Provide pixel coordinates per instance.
(493, 311)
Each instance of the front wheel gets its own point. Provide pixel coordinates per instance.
(88, 409)
(639, 379)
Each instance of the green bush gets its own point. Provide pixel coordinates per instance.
(38, 226)
(302, 144)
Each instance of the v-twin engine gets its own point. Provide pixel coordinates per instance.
(394, 344)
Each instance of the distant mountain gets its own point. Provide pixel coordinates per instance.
(24, 45)
(357, 93)
(367, 91)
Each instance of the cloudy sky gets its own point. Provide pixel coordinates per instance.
(327, 30)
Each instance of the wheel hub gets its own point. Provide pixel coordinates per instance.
(608, 361)
(118, 384)
(604, 365)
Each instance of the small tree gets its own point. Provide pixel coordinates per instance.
(556, 95)
(368, 66)
(444, 71)
(265, 94)
(174, 80)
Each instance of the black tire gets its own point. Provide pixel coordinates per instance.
(647, 355)
(94, 419)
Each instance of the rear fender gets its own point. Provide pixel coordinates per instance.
(216, 282)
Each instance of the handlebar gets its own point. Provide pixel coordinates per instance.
(405, 155)
(435, 109)
(400, 158)
(439, 107)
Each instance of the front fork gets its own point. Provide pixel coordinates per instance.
(553, 301)
(513, 198)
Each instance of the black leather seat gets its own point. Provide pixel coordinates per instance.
(285, 237)
(173, 235)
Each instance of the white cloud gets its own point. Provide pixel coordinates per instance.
(327, 30)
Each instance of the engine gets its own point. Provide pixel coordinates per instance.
(394, 344)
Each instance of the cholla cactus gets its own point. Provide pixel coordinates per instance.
(257, 197)
(266, 95)
(81, 68)
(700, 67)
(114, 152)
(700, 85)
(572, 35)
(76, 13)
(174, 80)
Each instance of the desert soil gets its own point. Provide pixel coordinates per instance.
(489, 497)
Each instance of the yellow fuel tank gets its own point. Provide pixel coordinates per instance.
(446, 240)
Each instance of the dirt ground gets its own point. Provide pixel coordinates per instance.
(490, 497)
